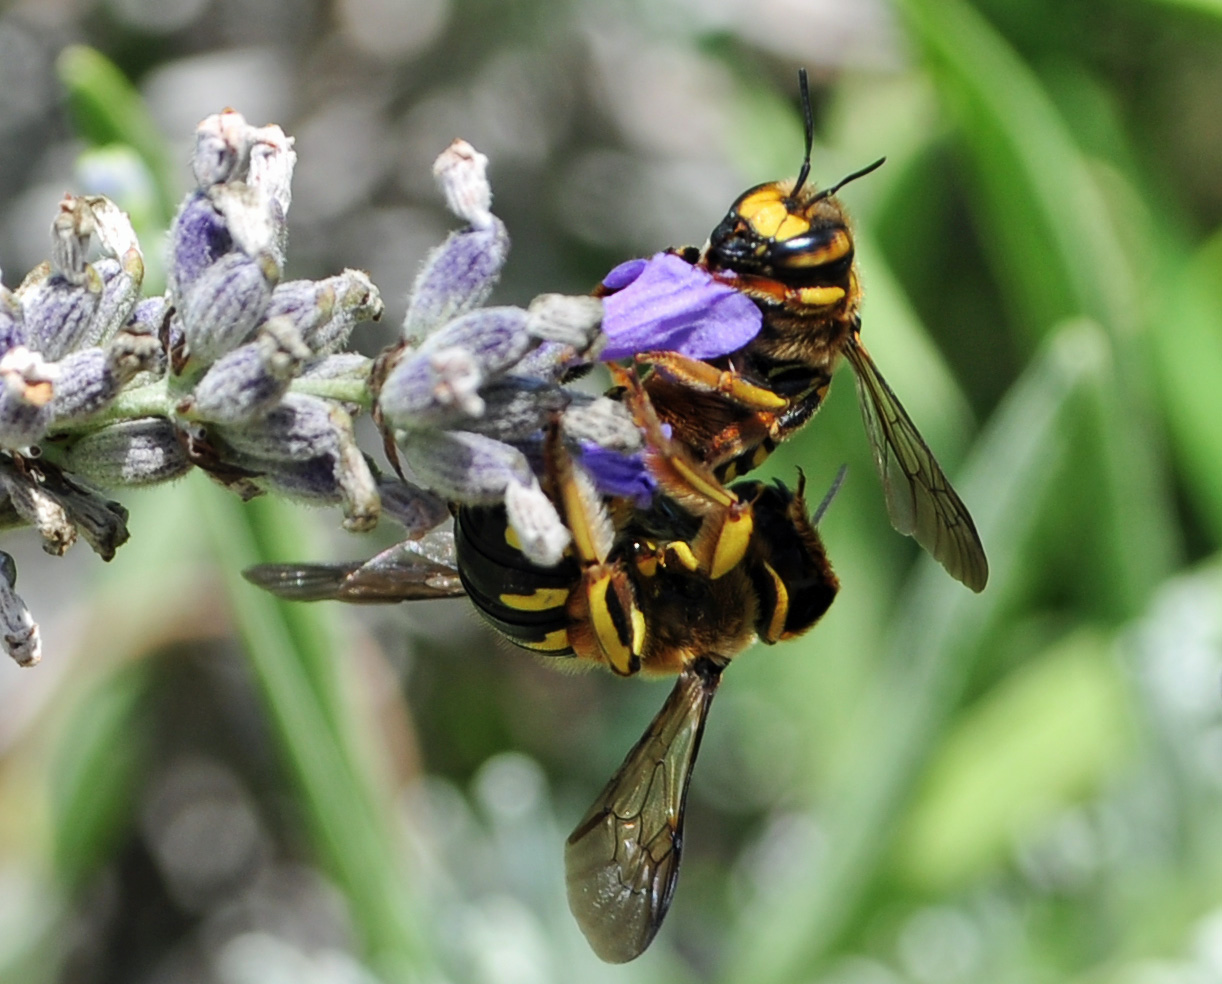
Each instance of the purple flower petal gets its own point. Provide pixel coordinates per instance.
(617, 474)
(675, 307)
(622, 275)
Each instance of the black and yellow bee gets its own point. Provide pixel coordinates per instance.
(789, 247)
(680, 587)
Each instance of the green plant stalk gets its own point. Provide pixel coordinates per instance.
(935, 641)
(290, 651)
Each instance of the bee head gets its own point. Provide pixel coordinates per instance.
(788, 230)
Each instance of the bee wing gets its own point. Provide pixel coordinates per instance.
(401, 573)
(920, 500)
(621, 862)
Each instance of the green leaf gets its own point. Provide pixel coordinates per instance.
(1048, 736)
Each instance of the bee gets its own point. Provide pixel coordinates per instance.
(789, 247)
(679, 587)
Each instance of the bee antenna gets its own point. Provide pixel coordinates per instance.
(808, 119)
(828, 192)
(831, 494)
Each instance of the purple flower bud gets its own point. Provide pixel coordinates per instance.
(465, 467)
(297, 428)
(251, 379)
(517, 408)
(90, 379)
(27, 387)
(198, 238)
(58, 314)
(326, 311)
(675, 307)
(456, 277)
(12, 321)
(443, 376)
(130, 453)
(18, 630)
(551, 362)
(221, 309)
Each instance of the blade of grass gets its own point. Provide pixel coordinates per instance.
(307, 706)
(933, 645)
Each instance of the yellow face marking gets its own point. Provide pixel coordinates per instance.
(759, 456)
(555, 640)
(732, 544)
(511, 537)
(619, 656)
(682, 552)
(647, 565)
(539, 600)
(776, 624)
(638, 630)
(820, 296)
(793, 225)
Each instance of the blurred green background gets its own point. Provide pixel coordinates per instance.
(200, 785)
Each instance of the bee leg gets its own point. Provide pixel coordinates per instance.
(607, 624)
(708, 378)
(726, 521)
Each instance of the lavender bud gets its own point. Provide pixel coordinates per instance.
(70, 233)
(89, 380)
(463, 466)
(533, 517)
(251, 379)
(415, 509)
(272, 160)
(223, 306)
(604, 422)
(562, 318)
(341, 365)
(12, 322)
(326, 311)
(121, 282)
(198, 238)
(130, 453)
(222, 149)
(297, 428)
(551, 362)
(59, 314)
(516, 408)
(27, 387)
(18, 630)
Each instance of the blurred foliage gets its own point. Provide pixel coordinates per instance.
(932, 786)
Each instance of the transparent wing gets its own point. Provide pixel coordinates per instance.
(622, 860)
(405, 572)
(920, 500)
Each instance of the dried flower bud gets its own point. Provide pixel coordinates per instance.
(121, 282)
(130, 453)
(462, 173)
(566, 319)
(70, 233)
(222, 149)
(602, 421)
(251, 379)
(101, 521)
(533, 517)
(39, 508)
(250, 219)
(18, 630)
(27, 387)
(272, 160)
